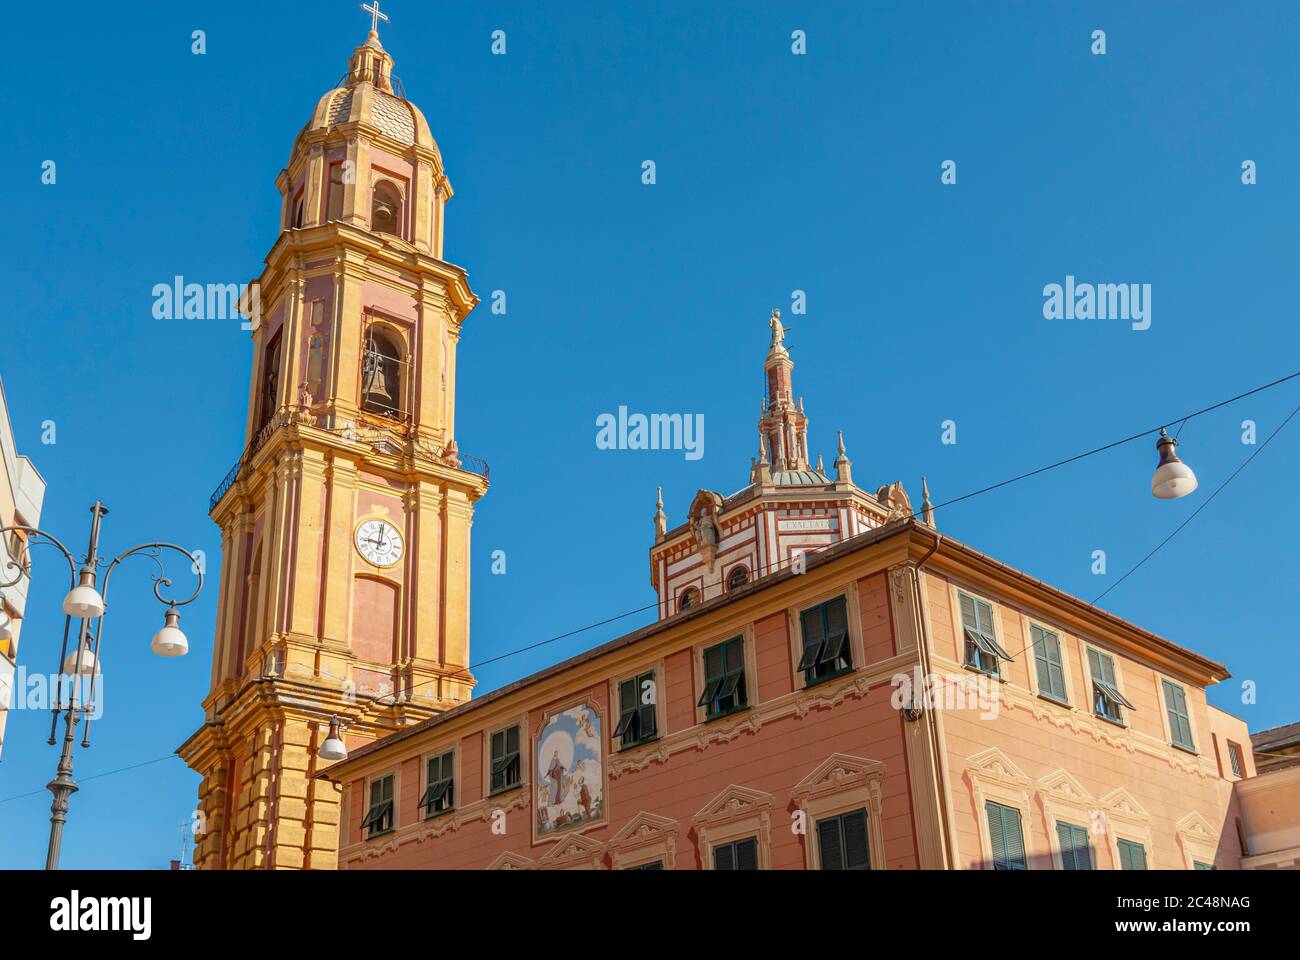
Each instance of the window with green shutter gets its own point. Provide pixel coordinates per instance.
(1132, 856)
(636, 705)
(505, 759)
(737, 855)
(842, 841)
(1006, 838)
(379, 816)
(1180, 724)
(827, 651)
(1106, 698)
(1047, 658)
(1200, 865)
(724, 679)
(440, 787)
(1076, 851)
(982, 648)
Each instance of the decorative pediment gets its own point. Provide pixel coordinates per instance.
(837, 773)
(1120, 803)
(646, 836)
(993, 764)
(1062, 787)
(511, 861)
(1196, 827)
(642, 829)
(733, 803)
(575, 850)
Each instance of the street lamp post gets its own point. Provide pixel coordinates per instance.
(87, 605)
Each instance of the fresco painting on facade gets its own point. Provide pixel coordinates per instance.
(570, 766)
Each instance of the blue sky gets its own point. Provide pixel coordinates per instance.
(775, 172)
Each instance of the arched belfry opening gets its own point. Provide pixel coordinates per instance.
(383, 373)
(386, 209)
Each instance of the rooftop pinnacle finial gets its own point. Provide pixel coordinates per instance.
(927, 508)
(661, 521)
(843, 465)
(375, 17)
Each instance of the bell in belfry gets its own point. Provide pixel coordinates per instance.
(377, 388)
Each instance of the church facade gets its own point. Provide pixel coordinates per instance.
(831, 682)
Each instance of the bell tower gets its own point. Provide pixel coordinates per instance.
(345, 524)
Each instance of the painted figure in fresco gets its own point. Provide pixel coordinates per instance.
(555, 773)
(584, 797)
(584, 723)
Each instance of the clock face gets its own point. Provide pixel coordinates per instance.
(379, 542)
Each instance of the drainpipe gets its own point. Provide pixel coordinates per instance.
(923, 642)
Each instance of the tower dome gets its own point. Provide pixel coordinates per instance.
(367, 158)
(366, 94)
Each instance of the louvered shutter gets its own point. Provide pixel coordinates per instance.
(996, 841)
(747, 855)
(857, 848)
(724, 857)
(829, 840)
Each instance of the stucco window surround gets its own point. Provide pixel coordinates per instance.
(1197, 840)
(992, 775)
(574, 852)
(457, 785)
(1120, 685)
(525, 760)
(746, 633)
(794, 629)
(512, 861)
(955, 592)
(1066, 800)
(394, 818)
(616, 704)
(1027, 623)
(841, 784)
(1126, 819)
(645, 838)
(734, 814)
(1161, 680)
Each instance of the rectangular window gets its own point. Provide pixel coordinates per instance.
(982, 648)
(842, 841)
(440, 792)
(379, 817)
(1132, 856)
(738, 855)
(1076, 852)
(1106, 698)
(1200, 865)
(724, 679)
(334, 203)
(636, 719)
(1047, 657)
(1180, 724)
(652, 865)
(826, 649)
(1234, 755)
(1005, 836)
(505, 759)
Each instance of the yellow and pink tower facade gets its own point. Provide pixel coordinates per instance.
(345, 524)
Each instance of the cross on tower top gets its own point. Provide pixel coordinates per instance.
(375, 16)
